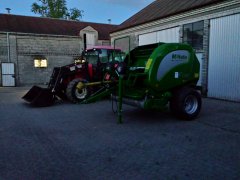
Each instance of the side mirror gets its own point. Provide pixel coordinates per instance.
(121, 68)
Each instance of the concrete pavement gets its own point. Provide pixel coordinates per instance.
(69, 141)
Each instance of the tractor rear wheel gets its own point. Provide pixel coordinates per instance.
(186, 103)
(77, 95)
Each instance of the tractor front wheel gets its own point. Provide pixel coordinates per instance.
(186, 103)
(74, 94)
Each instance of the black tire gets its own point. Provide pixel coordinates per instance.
(186, 103)
(73, 94)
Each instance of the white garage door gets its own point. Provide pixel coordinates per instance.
(224, 58)
(167, 35)
(149, 38)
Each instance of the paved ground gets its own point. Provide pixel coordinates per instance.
(69, 141)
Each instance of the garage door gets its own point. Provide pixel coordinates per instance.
(149, 38)
(224, 58)
(167, 35)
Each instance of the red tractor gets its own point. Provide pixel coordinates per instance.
(89, 68)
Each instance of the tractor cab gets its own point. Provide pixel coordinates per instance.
(98, 57)
(102, 54)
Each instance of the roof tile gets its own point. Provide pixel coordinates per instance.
(40, 25)
(163, 8)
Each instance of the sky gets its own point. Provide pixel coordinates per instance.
(98, 11)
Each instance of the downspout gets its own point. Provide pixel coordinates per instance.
(8, 46)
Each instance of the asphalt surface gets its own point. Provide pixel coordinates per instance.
(68, 141)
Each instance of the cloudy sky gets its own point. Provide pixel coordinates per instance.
(94, 10)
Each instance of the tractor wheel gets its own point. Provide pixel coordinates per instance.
(77, 95)
(186, 103)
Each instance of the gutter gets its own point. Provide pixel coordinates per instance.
(39, 35)
(45, 35)
(8, 46)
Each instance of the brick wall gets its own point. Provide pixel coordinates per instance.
(205, 56)
(28, 74)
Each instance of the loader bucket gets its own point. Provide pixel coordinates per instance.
(39, 97)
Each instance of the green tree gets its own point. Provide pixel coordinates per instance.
(56, 9)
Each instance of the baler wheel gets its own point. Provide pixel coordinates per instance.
(75, 95)
(186, 103)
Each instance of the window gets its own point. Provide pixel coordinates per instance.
(119, 55)
(103, 55)
(39, 62)
(91, 56)
(193, 34)
(85, 41)
(88, 40)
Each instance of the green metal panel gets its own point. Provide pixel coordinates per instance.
(172, 65)
(158, 68)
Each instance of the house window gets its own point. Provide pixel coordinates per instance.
(193, 34)
(40, 62)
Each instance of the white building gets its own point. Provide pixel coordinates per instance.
(210, 26)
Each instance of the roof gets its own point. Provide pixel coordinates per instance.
(163, 8)
(41, 25)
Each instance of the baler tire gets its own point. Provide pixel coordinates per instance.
(186, 103)
(72, 92)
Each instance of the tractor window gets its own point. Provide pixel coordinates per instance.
(119, 56)
(103, 55)
(91, 57)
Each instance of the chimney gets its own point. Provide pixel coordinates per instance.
(8, 10)
(68, 16)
